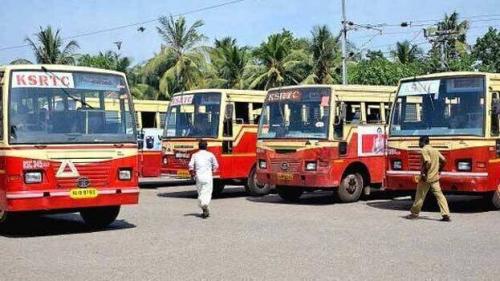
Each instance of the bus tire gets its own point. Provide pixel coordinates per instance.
(217, 188)
(253, 188)
(100, 217)
(494, 199)
(291, 194)
(350, 188)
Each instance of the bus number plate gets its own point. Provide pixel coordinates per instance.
(83, 193)
(183, 174)
(285, 176)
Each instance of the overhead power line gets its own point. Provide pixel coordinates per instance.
(215, 6)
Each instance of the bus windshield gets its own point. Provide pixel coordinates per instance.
(440, 107)
(69, 107)
(193, 116)
(296, 113)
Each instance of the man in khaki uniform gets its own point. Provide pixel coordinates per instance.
(432, 161)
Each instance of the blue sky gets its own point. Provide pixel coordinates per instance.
(250, 21)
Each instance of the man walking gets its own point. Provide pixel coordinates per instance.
(202, 166)
(432, 161)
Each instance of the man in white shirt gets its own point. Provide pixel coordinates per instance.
(202, 166)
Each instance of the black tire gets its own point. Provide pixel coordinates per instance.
(288, 193)
(100, 217)
(218, 187)
(350, 188)
(253, 188)
(493, 199)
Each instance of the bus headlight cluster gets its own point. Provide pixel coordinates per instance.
(464, 165)
(397, 165)
(124, 174)
(262, 164)
(311, 166)
(33, 177)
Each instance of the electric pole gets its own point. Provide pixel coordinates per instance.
(344, 43)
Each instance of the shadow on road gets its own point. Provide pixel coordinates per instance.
(156, 184)
(31, 225)
(311, 198)
(457, 204)
(229, 192)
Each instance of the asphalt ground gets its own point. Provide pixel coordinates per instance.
(263, 238)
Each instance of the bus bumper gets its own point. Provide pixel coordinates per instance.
(308, 180)
(449, 181)
(19, 201)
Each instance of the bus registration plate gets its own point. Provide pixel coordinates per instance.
(285, 176)
(183, 174)
(83, 193)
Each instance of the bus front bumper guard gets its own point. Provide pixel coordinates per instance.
(41, 194)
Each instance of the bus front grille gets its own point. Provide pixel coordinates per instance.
(414, 161)
(98, 173)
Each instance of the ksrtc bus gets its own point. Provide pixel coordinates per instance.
(228, 120)
(459, 111)
(329, 137)
(67, 142)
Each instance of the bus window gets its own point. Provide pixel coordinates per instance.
(242, 113)
(228, 121)
(162, 119)
(373, 114)
(353, 113)
(495, 116)
(256, 112)
(148, 119)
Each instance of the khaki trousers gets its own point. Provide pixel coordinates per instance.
(422, 189)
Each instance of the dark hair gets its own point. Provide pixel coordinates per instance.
(202, 144)
(424, 140)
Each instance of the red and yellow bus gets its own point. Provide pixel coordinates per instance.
(328, 137)
(228, 120)
(459, 111)
(67, 142)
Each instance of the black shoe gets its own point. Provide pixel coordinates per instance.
(445, 218)
(205, 213)
(411, 216)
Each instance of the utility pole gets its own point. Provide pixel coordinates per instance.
(440, 38)
(344, 43)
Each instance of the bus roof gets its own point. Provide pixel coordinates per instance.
(343, 88)
(226, 91)
(57, 67)
(451, 73)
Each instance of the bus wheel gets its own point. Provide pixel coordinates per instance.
(495, 199)
(218, 187)
(350, 188)
(291, 194)
(100, 217)
(253, 187)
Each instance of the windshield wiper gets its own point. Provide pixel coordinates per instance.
(65, 91)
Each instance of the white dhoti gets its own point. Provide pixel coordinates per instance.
(204, 185)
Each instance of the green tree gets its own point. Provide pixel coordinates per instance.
(229, 62)
(184, 61)
(383, 72)
(324, 49)
(487, 50)
(373, 55)
(406, 52)
(48, 47)
(107, 60)
(277, 63)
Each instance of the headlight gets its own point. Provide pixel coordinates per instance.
(33, 177)
(262, 164)
(311, 166)
(165, 160)
(397, 165)
(464, 165)
(125, 174)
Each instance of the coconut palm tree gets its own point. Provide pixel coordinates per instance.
(229, 62)
(183, 59)
(277, 63)
(324, 49)
(48, 47)
(405, 52)
(457, 45)
(107, 60)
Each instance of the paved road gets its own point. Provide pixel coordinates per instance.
(257, 239)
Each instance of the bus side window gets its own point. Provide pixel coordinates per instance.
(353, 113)
(373, 114)
(242, 113)
(256, 112)
(495, 114)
